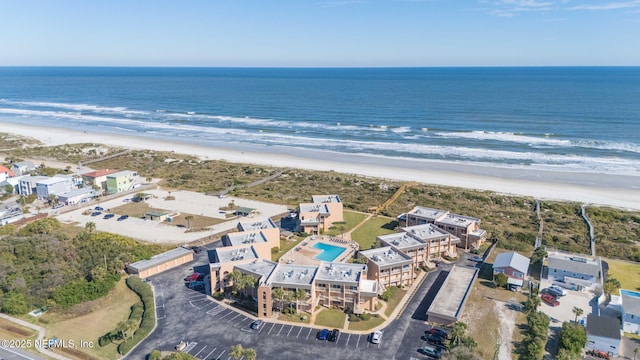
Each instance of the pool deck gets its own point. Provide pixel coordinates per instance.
(305, 253)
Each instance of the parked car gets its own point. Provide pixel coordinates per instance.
(437, 331)
(322, 334)
(257, 325)
(557, 290)
(193, 277)
(376, 336)
(434, 339)
(123, 217)
(98, 208)
(477, 258)
(430, 351)
(108, 216)
(333, 335)
(181, 346)
(549, 300)
(57, 206)
(96, 213)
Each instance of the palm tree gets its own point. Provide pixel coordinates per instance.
(300, 294)
(188, 218)
(236, 351)
(236, 280)
(578, 311)
(250, 354)
(278, 294)
(90, 226)
(457, 335)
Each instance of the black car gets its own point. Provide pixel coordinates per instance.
(333, 335)
(108, 216)
(439, 332)
(434, 339)
(123, 217)
(96, 213)
(99, 208)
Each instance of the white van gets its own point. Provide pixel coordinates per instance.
(557, 290)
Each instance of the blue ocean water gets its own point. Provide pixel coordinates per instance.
(583, 119)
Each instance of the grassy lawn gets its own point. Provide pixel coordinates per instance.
(285, 245)
(397, 295)
(198, 221)
(11, 331)
(627, 273)
(366, 325)
(351, 220)
(88, 321)
(302, 317)
(134, 209)
(331, 318)
(366, 234)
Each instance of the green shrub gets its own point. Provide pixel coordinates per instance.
(365, 316)
(137, 310)
(104, 340)
(148, 317)
(155, 355)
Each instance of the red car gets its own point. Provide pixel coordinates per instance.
(550, 300)
(193, 277)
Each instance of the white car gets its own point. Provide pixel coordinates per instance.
(376, 336)
(477, 258)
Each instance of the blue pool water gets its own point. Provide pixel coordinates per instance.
(630, 293)
(329, 252)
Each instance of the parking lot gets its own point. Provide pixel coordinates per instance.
(157, 232)
(210, 329)
(564, 311)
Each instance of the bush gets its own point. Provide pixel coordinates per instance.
(137, 310)
(15, 303)
(155, 355)
(365, 316)
(275, 250)
(82, 290)
(104, 340)
(148, 317)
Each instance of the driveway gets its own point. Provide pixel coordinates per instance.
(211, 329)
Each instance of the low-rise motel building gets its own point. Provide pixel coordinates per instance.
(389, 267)
(466, 228)
(422, 243)
(319, 215)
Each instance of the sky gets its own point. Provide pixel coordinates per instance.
(320, 33)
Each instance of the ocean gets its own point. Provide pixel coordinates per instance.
(572, 119)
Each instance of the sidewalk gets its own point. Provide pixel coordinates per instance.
(41, 332)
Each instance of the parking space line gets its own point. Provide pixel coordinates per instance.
(338, 338)
(214, 305)
(274, 324)
(231, 319)
(210, 352)
(222, 353)
(198, 353)
(290, 330)
(216, 310)
(348, 337)
(230, 312)
(299, 332)
(241, 321)
(280, 329)
(309, 332)
(358, 343)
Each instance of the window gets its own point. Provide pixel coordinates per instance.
(335, 286)
(353, 288)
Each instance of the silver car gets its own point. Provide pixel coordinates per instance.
(376, 336)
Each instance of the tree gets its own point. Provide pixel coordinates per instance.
(577, 311)
(236, 351)
(612, 285)
(9, 189)
(278, 294)
(457, 334)
(155, 355)
(236, 280)
(90, 226)
(501, 280)
(461, 353)
(532, 303)
(300, 294)
(564, 354)
(188, 218)
(15, 303)
(249, 354)
(573, 338)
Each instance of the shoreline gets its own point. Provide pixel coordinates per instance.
(597, 189)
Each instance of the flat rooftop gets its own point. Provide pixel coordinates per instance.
(630, 301)
(451, 297)
(428, 213)
(262, 268)
(223, 255)
(400, 240)
(426, 232)
(51, 181)
(160, 259)
(292, 275)
(458, 220)
(123, 173)
(343, 272)
(325, 199)
(578, 264)
(257, 225)
(243, 238)
(386, 256)
(76, 192)
(310, 207)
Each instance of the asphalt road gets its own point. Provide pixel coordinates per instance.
(17, 354)
(211, 329)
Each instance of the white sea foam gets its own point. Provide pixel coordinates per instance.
(402, 129)
(503, 136)
(75, 107)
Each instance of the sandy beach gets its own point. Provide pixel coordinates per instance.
(597, 189)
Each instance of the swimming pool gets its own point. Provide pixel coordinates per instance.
(329, 252)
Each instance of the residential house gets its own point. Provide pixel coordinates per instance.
(603, 334)
(389, 267)
(76, 196)
(512, 264)
(10, 212)
(5, 173)
(630, 311)
(27, 184)
(52, 186)
(14, 182)
(23, 167)
(122, 181)
(466, 228)
(97, 178)
(574, 272)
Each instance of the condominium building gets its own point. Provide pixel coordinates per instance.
(389, 267)
(422, 243)
(345, 286)
(319, 215)
(464, 227)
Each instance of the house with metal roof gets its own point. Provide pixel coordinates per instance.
(161, 262)
(603, 334)
(512, 264)
(630, 311)
(575, 272)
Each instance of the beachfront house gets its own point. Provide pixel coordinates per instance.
(630, 311)
(466, 228)
(76, 196)
(5, 173)
(52, 186)
(97, 178)
(603, 334)
(27, 184)
(319, 215)
(575, 272)
(23, 167)
(512, 264)
(122, 181)
(389, 267)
